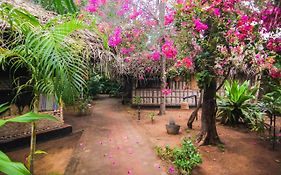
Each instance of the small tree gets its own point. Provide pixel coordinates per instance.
(221, 37)
(54, 63)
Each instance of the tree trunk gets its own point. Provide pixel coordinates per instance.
(33, 136)
(194, 114)
(208, 134)
(162, 110)
(258, 84)
(32, 148)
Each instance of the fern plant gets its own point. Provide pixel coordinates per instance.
(236, 105)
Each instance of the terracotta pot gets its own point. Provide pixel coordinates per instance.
(173, 129)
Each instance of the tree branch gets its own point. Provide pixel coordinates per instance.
(225, 78)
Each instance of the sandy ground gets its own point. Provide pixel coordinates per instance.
(114, 142)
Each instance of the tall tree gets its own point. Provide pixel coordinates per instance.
(161, 7)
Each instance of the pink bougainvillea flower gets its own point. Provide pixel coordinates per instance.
(169, 18)
(178, 63)
(259, 59)
(274, 44)
(217, 12)
(169, 50)
(275, 73)
(148, 69)
(141, 77)
(199, 26)
(187, 62)
(155, 56)
(244, 28)
(130, 172)
(103, 2)
(127, 51)
(269, 19)
(136, 33)
(166, 91)
(116, 38)
(126, 60)
(171, 170)
(92, 8)
(180, 1)
(151, 23)
(135, 14)
(184, 24)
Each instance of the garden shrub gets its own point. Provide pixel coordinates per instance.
(237, 106)
(94, 85)
(104, 85)
(185, 158)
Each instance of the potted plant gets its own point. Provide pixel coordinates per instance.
(172, 127)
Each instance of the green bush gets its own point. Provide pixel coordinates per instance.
(236, 106)
(104, 85)
(164, 153)
(94, 85)
(271, 102)
(185, 158)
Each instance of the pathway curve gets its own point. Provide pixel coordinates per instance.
(112, 145)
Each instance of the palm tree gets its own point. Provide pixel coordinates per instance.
(52, 57)
(59, 6)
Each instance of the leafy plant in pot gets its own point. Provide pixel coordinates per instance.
(172, 127)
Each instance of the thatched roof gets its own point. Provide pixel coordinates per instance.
(99, 53)
(109, 62)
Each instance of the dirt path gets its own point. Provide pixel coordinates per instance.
(112, 145)
(114, 142)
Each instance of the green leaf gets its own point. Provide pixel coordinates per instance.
(40, 152)
(28, 118)
(11, 168)
(3, 107)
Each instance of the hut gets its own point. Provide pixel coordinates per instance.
(47, 104)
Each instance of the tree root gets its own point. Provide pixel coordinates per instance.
(204, 139)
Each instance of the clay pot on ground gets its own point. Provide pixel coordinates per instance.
(173, 128)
